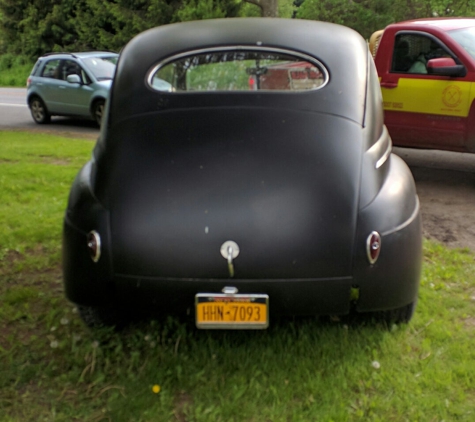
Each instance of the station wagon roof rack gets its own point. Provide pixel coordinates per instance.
(75, 55)
(59, 52)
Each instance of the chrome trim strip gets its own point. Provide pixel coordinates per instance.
(306, 57)
(376, 149)
(385, 156)
(407, 222)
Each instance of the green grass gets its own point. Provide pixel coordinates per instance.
(53, 368)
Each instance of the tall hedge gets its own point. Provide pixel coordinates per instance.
(33, 27)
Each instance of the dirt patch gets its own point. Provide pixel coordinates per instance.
(446, 188)
(181, 402)
(470, 323)
(448, 205)
(47, 159)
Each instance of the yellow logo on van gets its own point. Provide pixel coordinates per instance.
(452, 96)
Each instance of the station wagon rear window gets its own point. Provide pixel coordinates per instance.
(238, 70)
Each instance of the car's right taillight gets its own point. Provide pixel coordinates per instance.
(28, 82)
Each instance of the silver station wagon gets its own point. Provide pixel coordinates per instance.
(70, 84)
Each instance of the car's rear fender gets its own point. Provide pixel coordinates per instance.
(86, 281)
(32, 94)
(393, 280)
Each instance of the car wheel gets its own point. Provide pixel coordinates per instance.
(400, 315)
(97, 317)
(39, 112)
(98, 111)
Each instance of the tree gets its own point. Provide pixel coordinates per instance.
(363, 16)
(269, 8)
(33, 27)
(367, 16)
(109, 25)
(208, 9)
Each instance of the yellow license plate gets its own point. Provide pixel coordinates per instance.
(232, 311)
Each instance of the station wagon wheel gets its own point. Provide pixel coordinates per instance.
(98, 111)
(39, 112)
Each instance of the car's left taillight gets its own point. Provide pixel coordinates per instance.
(94, 245)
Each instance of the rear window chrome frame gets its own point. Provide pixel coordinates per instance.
(305, 57)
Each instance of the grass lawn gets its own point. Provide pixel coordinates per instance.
(52, 368)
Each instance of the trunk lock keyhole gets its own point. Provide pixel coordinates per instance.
(230, 251)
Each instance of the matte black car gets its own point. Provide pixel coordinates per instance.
(243, 171)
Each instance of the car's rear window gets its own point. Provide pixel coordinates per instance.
(242, 69)
(103, 69)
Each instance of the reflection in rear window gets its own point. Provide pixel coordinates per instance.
(238, 70)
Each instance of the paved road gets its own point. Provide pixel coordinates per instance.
(15, 114)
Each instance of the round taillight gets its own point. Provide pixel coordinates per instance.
(94, 245)
(373, 247)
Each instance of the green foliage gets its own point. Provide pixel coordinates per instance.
(11, 61)
(367, 16)
(33, 27)
(14, 69)
(207, 9)
(250, 10)
(286, 8)
(109, 25)
(364, 16)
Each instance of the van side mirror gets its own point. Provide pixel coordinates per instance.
(445, 66)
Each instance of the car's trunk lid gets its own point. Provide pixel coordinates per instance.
(282, 185)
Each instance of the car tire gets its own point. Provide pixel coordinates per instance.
(38, 110)
(99, 317)
(98, 111)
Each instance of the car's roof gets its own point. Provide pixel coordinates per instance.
(444, 24)
(86, 54)
(342, 51)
